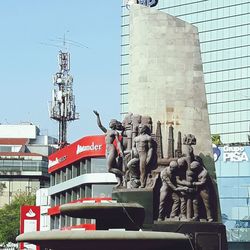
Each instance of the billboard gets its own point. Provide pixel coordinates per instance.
(89, 146)
(29, 222)
(231, 153)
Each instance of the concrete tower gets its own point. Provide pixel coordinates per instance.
(166, 77)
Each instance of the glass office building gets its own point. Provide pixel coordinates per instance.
(233, 176)
(224, 31)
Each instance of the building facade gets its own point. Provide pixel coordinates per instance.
(78, 173)
(23, 160)
(224, 33)
(233, 176)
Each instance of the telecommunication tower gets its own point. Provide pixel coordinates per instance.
(63, 108)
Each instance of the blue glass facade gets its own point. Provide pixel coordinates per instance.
(233, 176)
(224, 31)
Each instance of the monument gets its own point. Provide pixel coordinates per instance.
(161, 153)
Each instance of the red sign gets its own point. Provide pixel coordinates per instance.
(89, 146)
(29, 222)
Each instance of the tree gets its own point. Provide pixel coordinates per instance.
(216, 139)
(10, 217)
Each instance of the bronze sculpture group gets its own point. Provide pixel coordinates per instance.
(187, 181)
(131, 153)
(131, 159)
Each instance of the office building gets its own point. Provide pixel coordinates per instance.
(23, 160)
(78, 173)
(233, 177)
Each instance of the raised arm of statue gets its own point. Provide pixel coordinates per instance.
(99, 122)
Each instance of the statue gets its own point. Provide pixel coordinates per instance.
(188, 180)
(112, 155)
(169, 188)
(134, 170)
(188, 151)
(202, 186)
(143, 145)
(181, 180)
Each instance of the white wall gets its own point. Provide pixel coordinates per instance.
(18, 131)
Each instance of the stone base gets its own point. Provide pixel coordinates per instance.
(129, 216)
(110, 240)
(142, 196)
(204, 235)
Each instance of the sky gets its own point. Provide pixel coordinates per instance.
(29, 31)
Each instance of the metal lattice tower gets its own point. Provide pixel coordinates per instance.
(63, 108)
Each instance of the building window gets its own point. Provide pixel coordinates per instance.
(98, 165)
(102, 190)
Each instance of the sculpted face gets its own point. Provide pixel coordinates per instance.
(195, 165)
(144, 129)
(182, 163)
(112, 124)
(173, 166)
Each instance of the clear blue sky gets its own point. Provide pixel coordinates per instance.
(27, 65)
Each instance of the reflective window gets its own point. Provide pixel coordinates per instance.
(98, 165)
(102, 191)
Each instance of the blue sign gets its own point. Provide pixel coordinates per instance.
(216, 152)
(149, 3)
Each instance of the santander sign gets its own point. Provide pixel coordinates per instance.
(87, 147)
(92, 147)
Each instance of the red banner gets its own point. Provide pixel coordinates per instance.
(29, 222)
(89, 146)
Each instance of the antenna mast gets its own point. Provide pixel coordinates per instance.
(63, 108)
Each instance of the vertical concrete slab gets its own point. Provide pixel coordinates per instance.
(166, 76)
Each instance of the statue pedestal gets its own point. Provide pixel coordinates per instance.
(107, 215)
(204, 235)
(142, 196)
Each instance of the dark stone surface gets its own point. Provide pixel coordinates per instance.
(142, 196)
(238, 245)
(108, 240)
(204, 235)
(108, 215)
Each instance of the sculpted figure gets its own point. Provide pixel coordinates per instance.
(143, 145)
(188, 141)
(181, 180)
(127, 132)
(133, 170)
(202, 186)
(169, 188)
(192, 198)
(111, 151)
(189, 202)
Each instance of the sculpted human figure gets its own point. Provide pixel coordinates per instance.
(181, 180)
(111, 152)
(202, 186)
(169, 188)
(189, 201)
(192, 198)
(188, 141)
(133, 170)
(127, 132)
(143, 145)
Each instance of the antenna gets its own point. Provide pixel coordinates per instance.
(62, 106)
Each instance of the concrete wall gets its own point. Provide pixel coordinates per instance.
(19, 131)
(166, 77)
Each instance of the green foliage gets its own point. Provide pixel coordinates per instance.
(216, 139)
(10, 217)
